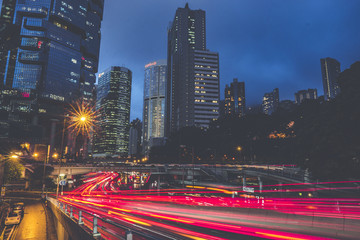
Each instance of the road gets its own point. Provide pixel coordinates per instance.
(36, 224)
(200, 214)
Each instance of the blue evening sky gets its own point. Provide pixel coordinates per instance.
(265, 43)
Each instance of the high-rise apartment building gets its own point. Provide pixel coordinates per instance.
(301, 95)
(113, 104)
(207, 95)
(270, 101)
(235, 98)
(330, 69)
(187, 105)
(154, 103)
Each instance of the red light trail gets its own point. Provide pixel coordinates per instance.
(197, 213)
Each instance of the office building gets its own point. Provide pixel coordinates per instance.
(301, 95)
(135, 138)
(154, 103)
(270, 102)
(235, 98)
(53, 63)
(59, 48)
(207, 94)
(330, 69)
(190, 65)
(113, 104)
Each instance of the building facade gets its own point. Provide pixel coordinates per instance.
(53, 63)
(235, 98)
(301, 95)
(154, 103)
(186, 54)
(113, 104)
(207, 94)
(330, 69)
(59, 47)
(135, 138)
(270, 102)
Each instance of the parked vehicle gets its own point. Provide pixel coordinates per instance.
(13, 218)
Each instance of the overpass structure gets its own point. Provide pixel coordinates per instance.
(188, 172)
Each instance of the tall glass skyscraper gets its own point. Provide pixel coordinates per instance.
(154, 104)
(55, 59)
(186, 54)
(330, 69)
(113, 104)
(59, 47)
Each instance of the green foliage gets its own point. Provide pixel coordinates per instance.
(12, 171)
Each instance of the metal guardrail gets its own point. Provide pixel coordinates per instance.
(80, 216)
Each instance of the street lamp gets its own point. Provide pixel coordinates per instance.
(239, 149)
(81, 119)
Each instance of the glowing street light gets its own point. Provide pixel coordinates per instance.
(14, 156)
(82, 118)
(239, 148)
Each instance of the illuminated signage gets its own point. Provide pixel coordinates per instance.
(150, 64)
(25, 94)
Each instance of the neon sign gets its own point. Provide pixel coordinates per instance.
(150, 64)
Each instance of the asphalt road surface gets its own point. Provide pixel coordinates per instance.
(36, 224)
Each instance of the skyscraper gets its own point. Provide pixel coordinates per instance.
(9, 36)
(135, 137)
(270, 101)
(154, 103)
(235, 98)
(113, 104)
(330, 69)
(207, 95)
(55, 58)
(8, 10)
(59, 47)
(301, 95)
(186, 54)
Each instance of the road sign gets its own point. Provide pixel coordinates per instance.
(248, 189)
(62, 183)
(3, 191)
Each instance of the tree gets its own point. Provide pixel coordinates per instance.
(13, 171)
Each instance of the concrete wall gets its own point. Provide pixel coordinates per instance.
(66, 228)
